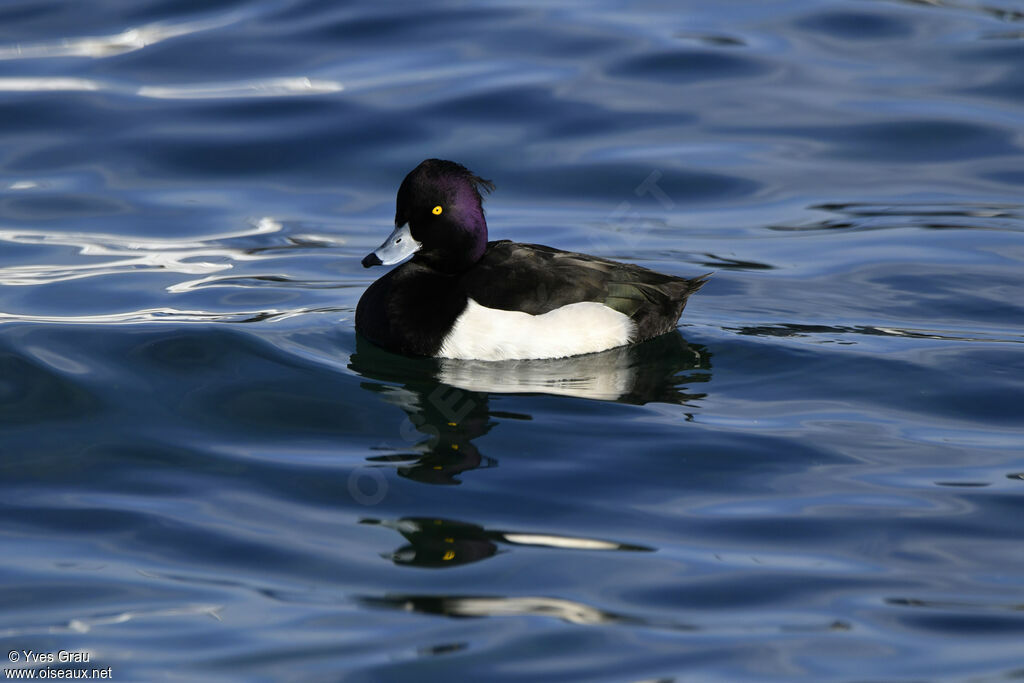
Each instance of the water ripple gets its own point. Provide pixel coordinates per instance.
(857, 216)
(803, 330)
(132, 254)
(170, 315)
(270, 87)
(98, 47)
(88, 623)
(273, 87)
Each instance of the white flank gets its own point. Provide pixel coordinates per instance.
(482, 333)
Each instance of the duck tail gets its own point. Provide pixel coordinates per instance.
(694, 284)
(682, 294)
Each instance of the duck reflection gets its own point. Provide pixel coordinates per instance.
(571, 611)
(489, 606)
(447, 401)
(637, 374)
(449, 419)
(434, 543)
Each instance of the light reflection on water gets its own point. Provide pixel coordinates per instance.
(98, 47)
(114, 255)
(132, 254)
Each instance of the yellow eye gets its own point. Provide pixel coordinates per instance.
(437, 210)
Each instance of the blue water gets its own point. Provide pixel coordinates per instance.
(204, 475)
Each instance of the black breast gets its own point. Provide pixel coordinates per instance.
(410, 310)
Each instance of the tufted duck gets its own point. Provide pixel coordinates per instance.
(461, 296)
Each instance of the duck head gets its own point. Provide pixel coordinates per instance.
(439, 219)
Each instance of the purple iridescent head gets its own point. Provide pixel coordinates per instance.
(439, 217)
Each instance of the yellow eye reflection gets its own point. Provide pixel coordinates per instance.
(437, 210)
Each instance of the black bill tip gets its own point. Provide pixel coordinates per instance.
(371, 259)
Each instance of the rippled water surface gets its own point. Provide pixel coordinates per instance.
(206, 475)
